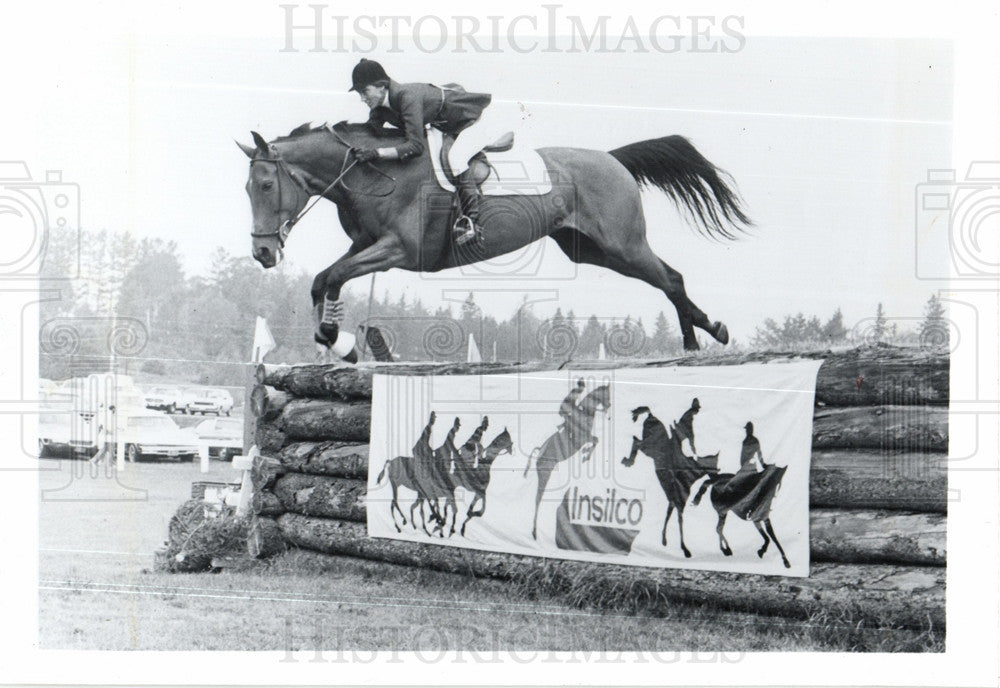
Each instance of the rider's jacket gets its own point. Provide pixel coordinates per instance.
(410, 107)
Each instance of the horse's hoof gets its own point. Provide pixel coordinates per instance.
(760, 552)
(728, 552)
(720, 332)
(404, 521)
(785, 562)
(687, 553)
(691, 345)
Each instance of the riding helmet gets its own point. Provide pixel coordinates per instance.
(367, 72)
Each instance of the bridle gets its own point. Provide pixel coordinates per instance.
(285, 228)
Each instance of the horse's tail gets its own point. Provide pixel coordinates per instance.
(701, 490)
(385, 469)
(531, 457)
(674, 165)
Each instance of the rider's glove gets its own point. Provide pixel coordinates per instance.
(365, 154)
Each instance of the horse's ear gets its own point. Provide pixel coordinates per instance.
(259, 141)
(249, 150)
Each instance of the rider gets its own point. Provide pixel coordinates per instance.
(568, 408)
(685, 426)
(748, 452)
(410, 107)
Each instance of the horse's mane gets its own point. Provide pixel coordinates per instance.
(356, 133)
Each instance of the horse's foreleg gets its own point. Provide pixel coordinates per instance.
(454, 513)
(393, 507)
(723, 543)
(770, 531)
(630, 459)
(469, 514)
(670, 511)
(767, 540)
(388, 252)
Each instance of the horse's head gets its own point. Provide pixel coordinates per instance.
(277, 195)
(501, 444)
(600, 397)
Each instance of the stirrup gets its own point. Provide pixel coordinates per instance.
(464, 230)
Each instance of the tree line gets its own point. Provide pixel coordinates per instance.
(110, 299)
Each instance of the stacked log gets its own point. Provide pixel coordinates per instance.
(878, 486)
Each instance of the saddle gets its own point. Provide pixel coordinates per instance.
(479, 166)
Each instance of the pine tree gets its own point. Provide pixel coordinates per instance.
(834, 330)
(662, 340)
(879, 328)
(934, 328)
(590, 338)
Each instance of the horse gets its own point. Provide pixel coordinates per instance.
(399, 469)
(574, 435)
(433, 481)
(473, 469)
(593, 212)
(415, 473)
(675, 471)
(750, 499)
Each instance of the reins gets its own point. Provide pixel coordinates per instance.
(285, 228)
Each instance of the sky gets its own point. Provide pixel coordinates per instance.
(826, 139)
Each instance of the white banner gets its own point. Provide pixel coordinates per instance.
(686, 467)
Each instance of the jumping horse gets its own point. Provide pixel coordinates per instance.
(593, 212)
(572, 437)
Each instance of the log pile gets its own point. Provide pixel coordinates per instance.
(878, 487)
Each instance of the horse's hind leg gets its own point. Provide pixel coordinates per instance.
(543, 472)
(629, 254)
(663, 536)
(723, 542)
(770, 531)
(680, 525)
(767, 540)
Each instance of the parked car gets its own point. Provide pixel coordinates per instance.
(148, 434)
(205, 400)
(224, 437)
(63, 432)
(166, 398)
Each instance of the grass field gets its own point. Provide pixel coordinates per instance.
(98, 590)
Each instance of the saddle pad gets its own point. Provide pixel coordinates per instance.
(520, 171)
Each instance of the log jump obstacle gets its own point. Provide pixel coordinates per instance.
(878, 487)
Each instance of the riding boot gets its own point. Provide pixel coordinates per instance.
(467, 225)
